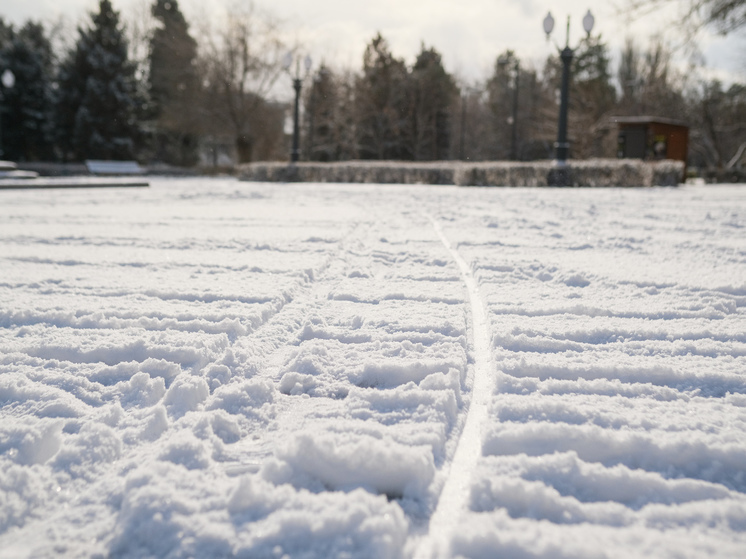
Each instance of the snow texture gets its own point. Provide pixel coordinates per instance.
(209, 368)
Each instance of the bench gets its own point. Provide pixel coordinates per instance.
(97, 167)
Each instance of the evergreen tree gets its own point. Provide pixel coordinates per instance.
(591, 72)
(434, 92)
(330, 116)
(526, 109)
(174, 86)
(383, 105)
(500, 99)
(98, 101)
(6, 33)
(593, 97)
(321, 107)
(27, 118)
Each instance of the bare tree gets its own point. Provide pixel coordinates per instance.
(138, 24)
(649, 83)
(718, 118)
(724, 16)
(241, 60)
(629, 76)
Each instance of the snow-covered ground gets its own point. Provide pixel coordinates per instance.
(209, 368)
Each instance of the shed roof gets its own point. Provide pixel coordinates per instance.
(648, 120)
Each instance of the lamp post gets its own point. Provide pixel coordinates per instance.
(504, 61)
(297, 85)
(464, 99)
(566, 55)
(465, 93)
(8, 79)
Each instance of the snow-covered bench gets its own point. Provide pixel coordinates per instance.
(98, 167)
(9, 170)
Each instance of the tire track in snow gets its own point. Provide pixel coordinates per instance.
(276, 338)
(281, 324)
(454, 497)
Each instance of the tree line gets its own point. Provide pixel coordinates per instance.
(164, 93)
(153, 94)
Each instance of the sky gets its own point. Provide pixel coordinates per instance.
(469, 35)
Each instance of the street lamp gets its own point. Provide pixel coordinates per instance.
(562, 146)
(8, 79)
(297, 84)
(504, 61)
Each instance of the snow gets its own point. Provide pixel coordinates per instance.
(210, 368)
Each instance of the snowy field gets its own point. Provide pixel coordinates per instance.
(209, 369)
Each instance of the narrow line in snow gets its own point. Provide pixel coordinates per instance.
(273, 334)
(454, 497)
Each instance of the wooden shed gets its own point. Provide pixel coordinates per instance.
(650, 137)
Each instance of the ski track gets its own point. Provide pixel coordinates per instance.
(454, 496)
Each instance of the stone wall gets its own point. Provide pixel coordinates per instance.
(587, 173)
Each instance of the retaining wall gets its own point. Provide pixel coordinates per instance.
(588, 173)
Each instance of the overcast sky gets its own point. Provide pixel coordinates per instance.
(468, 33)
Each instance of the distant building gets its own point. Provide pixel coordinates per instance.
(651, 138)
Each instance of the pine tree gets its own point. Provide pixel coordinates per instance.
(500, 99)
(592, 98)
(330, 116)
(98, 100)
(322, 109)
(6, 33)
(383, 105)
(174, 86)
(26, 118)
(434, 92)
